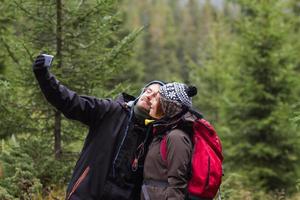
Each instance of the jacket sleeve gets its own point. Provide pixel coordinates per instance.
(179, 152)
(82, 108)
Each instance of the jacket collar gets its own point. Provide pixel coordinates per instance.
(125, 98)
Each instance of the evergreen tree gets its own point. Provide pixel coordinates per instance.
(189, 37)
(89, 51)
(212, 71)
(264, 142)
(18, 178)
(11, 117)
(156, 49)
(294, 8)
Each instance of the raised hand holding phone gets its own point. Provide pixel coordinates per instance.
(42, 61)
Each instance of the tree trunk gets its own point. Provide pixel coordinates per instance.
(57, 135)
(57, 128)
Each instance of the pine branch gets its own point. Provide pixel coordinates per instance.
(28, 52)
(122, 44)
(83, 18)
(10, 53)
(26, 11)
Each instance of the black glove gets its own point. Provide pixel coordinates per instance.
(39, 63)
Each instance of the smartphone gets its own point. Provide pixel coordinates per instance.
(48, 59)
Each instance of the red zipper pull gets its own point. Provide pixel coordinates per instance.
(134, 165)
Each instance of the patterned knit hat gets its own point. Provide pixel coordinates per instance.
(176, 96)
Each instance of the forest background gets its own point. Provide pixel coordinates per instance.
(243, 55)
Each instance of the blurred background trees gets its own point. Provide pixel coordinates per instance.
(243, 55)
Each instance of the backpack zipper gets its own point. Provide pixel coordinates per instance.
(208, 174)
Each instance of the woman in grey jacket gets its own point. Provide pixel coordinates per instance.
(167, 179)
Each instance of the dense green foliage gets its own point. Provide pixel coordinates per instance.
(263, 135)
(243, 55)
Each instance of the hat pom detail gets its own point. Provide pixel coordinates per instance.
(191, 91)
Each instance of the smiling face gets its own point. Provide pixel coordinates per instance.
(155, 108)
(149, 93)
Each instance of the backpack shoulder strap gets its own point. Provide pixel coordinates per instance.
(163, 144)
(163, 148)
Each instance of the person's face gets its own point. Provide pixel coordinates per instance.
(155, 108)
(149, 93)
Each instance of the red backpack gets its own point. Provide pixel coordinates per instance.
(206, 161)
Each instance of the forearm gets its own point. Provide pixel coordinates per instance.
(55, 93)
(72, 105)
(49, 86)
(176, 192)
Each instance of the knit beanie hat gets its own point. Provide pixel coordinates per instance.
(174, 97)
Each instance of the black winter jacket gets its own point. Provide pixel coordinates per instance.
(105, 145)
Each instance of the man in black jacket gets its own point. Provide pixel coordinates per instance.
(111, 161)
